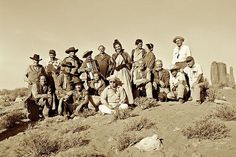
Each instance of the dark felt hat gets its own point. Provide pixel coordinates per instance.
(71, 49)
(52, 52)
(68, 64)
(175, 67)
(87, 53)
(178, 37)
(36, 57)
(189, 58)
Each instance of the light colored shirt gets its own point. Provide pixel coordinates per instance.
(174, 81)
(193, 73)
(138, 54)
(180, 54)
(110, 95)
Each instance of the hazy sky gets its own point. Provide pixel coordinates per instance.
(35, 26)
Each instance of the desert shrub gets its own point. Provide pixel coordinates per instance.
(4, 103)
(145, 103)
(10, 119)
(11, 95)
(211, 94)
(206, 128)
(44, 144)
(126, 140)
(72, 140)
(226, 112)
(122, 114)
(140, 124)
(37, 145)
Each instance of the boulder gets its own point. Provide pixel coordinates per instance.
(18, 99)
(150, 143)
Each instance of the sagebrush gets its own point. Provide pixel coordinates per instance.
(145, 103)
(226, 112)
(138, 125)
(206, 128)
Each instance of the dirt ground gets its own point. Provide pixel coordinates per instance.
(102, 132)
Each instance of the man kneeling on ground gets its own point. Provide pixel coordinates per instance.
(178, 85)
(142, 80)
(76, 100)
(113, 97)
(39, 103)
(196, 80)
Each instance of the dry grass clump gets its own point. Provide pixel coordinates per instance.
(4, 103)
(37, 145)
(44, 144)
(206, 129)
(122, 114)
(72, 140)
(145, 103)
(226, 112)
(211, 95)
(10, 119)
(140, 124)
(126, 140)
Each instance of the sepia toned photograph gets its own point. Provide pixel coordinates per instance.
(117, 78)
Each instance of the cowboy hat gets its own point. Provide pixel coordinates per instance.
(87, 53)
(67, 64)
(178, 37)
(36, 57)
(71, 49)
(189, 58)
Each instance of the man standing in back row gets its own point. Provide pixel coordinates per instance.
(180, 53)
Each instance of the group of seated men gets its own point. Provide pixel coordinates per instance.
(107, 83)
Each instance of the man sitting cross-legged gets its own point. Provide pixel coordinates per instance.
(142, 80)
(113, 97)
(178, 85)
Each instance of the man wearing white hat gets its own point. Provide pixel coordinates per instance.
(180, 53)
(113, 96)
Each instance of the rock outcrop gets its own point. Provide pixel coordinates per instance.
(220, 77)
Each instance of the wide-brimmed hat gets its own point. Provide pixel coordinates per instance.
(67, 64)
(52, 52)
(189, 58)
(178, 37)
(71, 49)
(36, 57)
(175, 67)
(87, 53)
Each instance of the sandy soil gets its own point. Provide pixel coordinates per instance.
(102, 132)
